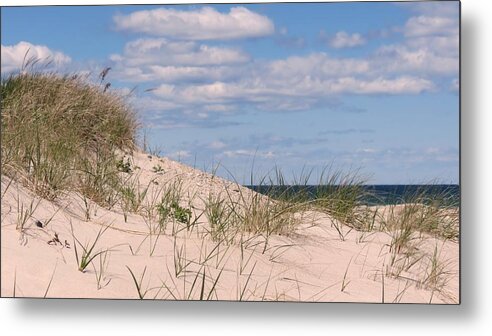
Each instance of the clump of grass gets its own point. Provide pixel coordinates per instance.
(169, 207)
(264, 215)
(256, 213)
(424, 213)
(97, 179)
(124, 166)
(220, 216)
(62, 133)
(436, 274)
(88, 254)
(415, 217)
(340, 195)
(25, 212)
(182, 215)
(133, 195)
(101, 277)
(158, 169)
(139, 283)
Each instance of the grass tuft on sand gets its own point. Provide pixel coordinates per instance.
(62, 133)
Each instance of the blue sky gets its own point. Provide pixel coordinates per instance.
(369, 86)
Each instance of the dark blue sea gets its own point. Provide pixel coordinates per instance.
(446, 194)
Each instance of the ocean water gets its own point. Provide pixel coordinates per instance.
(445, 194)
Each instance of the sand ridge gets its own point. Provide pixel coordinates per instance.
(313, 263)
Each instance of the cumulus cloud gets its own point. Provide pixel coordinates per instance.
(430, 25)
(292, 84)
(15, 56)
(217, 145)
(181, 154)
(150, 59)
(345, 40)
(249, 153)
(435, 29)
(432, 8)
(316, 64)
(203, 81)
(205, 23)
(165, 52)
(400, 58)
(283, 96)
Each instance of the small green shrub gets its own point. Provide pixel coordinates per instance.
(124, 167)
(157, 169)
(181, 214)
(174, 210)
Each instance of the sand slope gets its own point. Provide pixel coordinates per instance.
(312, 264)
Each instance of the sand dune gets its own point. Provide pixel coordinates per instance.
(319, 260)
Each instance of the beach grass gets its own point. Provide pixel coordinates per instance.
(62, 133)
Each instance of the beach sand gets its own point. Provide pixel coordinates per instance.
(319, 261)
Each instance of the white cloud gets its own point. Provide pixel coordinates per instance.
(189, 73)
(248, 153)
(292, 84)
(14, 56)
(202, 24)
(164, 52)
(181, 154)
(430, 25)
(433, 8)
(440, 45)
(399, 58)
(344, 40)
(284, 96)
(215, 80)
(153, 59)
(217, 145)
(317, 65)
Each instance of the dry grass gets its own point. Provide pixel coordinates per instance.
(61, 133)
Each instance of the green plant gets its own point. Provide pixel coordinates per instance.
(24, 213)
(88, 254)
(180, 261)
(181, 214)
(49, 283)
(132, 195)
(124, 167)
(101, 279)
(345, 282)
(223, 223)
(340, 195)
(436, 274)
(171, 195)
(138, 284)
(158, 169)
(259, 214)
(424, 213)
(61, 133)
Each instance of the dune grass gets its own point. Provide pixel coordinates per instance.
(62, 133)
(88, 254)
(418, 212)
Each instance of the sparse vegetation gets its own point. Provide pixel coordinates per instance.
(88, 253)
(139, 283)
(124, 166)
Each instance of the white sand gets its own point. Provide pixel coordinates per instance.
(312, 264)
